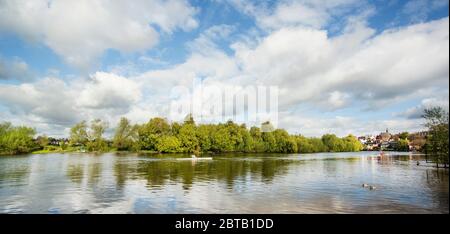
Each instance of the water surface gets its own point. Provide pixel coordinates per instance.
(230, 183)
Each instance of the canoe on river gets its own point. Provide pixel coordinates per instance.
(195, 159)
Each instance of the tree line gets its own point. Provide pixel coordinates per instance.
(158, 135)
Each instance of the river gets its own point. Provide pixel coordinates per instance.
(229, 183)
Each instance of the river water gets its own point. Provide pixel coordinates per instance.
(229, 183)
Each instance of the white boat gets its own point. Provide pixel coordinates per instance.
(195, 158)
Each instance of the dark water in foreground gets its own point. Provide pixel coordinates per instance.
(240, 183)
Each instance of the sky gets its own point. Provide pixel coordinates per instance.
(340, 66)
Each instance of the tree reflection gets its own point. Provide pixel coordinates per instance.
(75, 172)
(14, 173)
(160, 172)
(94, 172)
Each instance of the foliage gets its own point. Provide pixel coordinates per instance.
(151, 131)
(352, 144)
(188, 138)
(92, 139)
(43, 141)
(16, 140)
(403, 135)
(157, 135)
(168, 144)
(126, 136)
(96, 141)
(437, 121)
(79, 134)
(402, 145)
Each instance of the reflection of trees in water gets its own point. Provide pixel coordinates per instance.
(437, 182)
(14, 173)
(333, 166)
(87, 172)
(75, 172)
(121, 173)
(94, 171)
(436, 176)
(15, 168)
(158, 173)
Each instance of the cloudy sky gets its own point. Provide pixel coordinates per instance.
(341, 66)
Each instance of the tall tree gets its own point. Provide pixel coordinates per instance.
(96, 141)
(79, 134)
(437, 122)
(125, 135)
(188, 138)
(43, 141)
(151, 131)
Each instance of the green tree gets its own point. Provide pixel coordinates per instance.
(125, 135)
(270, 143)
(304, 145)
(258, 143)
(168, 144)
(283, 142)
(43, 141)
(188, 138)
(437, 122)
(318, 145)
(96, 140)
(402, 145)
(16, 140)
(63, 145)
(352, 144)
(403, 135)
(248, 143)
(151, 131)
(333, 143)
(221, 139)
(79, 134)
(203, 135)
(235, 133)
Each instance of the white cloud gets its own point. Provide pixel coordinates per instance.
(109, 91)
(373, 69)
(292, 13)
(15, 69)
(358, 68)
(416, 112)
(53, 103)
(418, 10)
(48, 100)
(313, 70)
(206, 41)
(80, 31)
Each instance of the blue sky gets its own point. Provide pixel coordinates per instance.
(341, 66)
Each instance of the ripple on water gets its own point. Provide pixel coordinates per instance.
(314, 183)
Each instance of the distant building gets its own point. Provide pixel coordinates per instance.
(369, 142)
(385, 136)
